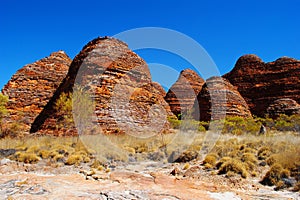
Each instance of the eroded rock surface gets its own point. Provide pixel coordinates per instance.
(131, 181)
(283, 106)
(218, 99)
(119, 84)
(182, 94)
(262, 83)
(31, 87)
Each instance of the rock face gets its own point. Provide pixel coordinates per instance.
(283, 106)
(30, 89)
(182, 94)
(262, 83)
(119, 84)
(217, 99)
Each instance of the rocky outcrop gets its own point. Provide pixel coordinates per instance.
(31, 87)
(283, 106)
(218, 99)
(119, 84)
(262, 83)
(183, 92)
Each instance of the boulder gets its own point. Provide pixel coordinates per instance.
(262, 83)
(31, 88)
(182, 94)
(226, 100)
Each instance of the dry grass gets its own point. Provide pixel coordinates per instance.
(230, 154)
(234, 166)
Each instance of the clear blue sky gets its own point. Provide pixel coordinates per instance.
(31, 30)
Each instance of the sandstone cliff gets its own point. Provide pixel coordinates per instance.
(226, 101)
(262, 83)
(119, 83)
(182, 94)
(31, 87)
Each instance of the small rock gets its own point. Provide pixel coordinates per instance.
(263, 163)
(289, 182)
(100, 177)
(7, 152)
(184, 157)
(175, 171)
(192, 171)
(90, 173)
(5, 161)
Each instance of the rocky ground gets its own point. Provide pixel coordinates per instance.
(143, 180)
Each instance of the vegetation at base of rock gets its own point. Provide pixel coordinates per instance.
(3, 110)
(64, 107)
(3, 102)
(187, 124)
(237, 125)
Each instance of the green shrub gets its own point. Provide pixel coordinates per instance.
(174, 122)
(201, 128)
(238, 125)
(3, 102)
(64, 107)
(287, 123)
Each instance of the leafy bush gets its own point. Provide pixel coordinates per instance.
(287, 123)
(64, 107)
(174, 122)
(3, 110)
(238, 125)
(3, 102)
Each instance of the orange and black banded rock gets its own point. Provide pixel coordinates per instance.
(182, 94)
(119, 84)
(262, 83)
(31, 88)
(283, 106)
(218, 99)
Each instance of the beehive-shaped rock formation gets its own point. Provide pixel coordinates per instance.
(262, 83)
(31, 88)
(218, 99)
(182, 94)
(119, 84)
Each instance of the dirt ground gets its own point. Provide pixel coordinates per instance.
(144, 180)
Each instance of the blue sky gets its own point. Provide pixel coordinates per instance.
(31, 30)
